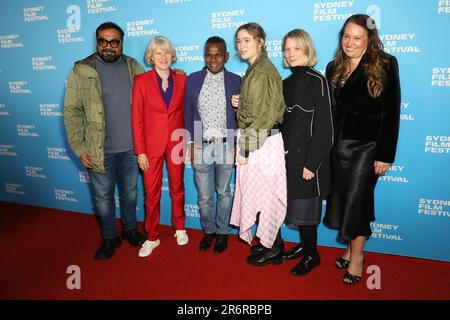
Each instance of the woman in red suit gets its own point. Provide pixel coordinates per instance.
(158, 128)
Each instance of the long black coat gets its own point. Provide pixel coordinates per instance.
(307, 132)
(358, 116)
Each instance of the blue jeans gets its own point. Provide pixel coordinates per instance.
(121, 168)
(213, 168)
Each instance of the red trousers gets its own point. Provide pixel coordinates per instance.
(153, 183)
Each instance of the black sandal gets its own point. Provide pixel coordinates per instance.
(342, 263)
(351, 278)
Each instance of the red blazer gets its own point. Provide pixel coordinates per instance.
(152, 122)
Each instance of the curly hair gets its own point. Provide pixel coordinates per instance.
(373, 61)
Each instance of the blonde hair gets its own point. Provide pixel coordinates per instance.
(304, 42)
(162, 43)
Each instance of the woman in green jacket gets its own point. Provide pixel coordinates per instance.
(261, 172)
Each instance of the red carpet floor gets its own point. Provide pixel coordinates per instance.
(38, 244)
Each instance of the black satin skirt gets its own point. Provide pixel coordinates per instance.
(350, 206)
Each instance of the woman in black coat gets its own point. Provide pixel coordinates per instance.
(308, 137)
(365, 89)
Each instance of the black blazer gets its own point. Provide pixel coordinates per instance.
(358, 116)
(307, 132)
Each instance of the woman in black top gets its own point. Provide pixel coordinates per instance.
(308, 137)
(366, 107)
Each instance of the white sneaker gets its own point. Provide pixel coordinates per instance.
(182, 237)
(148, 247)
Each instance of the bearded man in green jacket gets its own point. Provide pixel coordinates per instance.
(97, 117)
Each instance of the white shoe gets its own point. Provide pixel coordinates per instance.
(182, 237)
(148, 247)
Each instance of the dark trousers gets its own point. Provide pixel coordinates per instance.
(278, 243)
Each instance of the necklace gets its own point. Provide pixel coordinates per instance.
(165, 84)
(165, 80)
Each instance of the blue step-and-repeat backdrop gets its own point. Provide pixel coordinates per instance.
(40, 40)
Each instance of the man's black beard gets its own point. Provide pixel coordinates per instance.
(109, 58)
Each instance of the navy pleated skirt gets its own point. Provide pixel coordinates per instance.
(304, 212)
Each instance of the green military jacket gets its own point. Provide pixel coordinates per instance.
(84, 116)
(261, 104)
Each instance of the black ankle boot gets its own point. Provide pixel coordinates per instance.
(133, 237)
(267, 256)
(107, 248)
(257, 248)
(221, 243)
(206, 242)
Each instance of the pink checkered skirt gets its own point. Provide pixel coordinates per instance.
(261, 187)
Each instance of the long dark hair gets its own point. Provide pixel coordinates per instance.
(373, 61)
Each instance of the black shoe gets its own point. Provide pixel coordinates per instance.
(294, 253)
(206, 242)
(257, 248)
(305, 265)
(108, 248)
(266, 256)
(221, 243)
(134, 237)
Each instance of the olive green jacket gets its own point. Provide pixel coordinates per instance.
(84, 116)
(261, 104)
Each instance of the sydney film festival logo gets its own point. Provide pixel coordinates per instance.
(7, 150)
(34, 14)
(189, 53)
(14, 188)
(10, 41)
(73, 27)
(100, 6)
(400, 43)
(42, 63)
(141, 28)
(230, 19)
(434, 207)
(332, 10)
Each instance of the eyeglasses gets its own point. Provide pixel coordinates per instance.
(103, 43)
